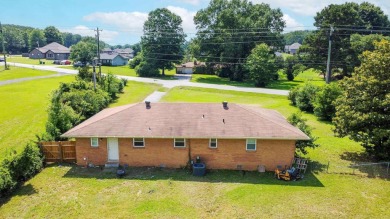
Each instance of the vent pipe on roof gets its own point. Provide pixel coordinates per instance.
(147, 103)
(225, 105)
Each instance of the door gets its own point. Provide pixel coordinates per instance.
(113, 150)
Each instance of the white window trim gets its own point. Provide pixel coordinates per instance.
(97, 140)
(143, 140)
(216, 143)
(174, 143)
(246, 146)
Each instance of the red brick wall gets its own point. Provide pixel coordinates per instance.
(155, 153)
(94, 155)
(228, 154)
(232, 152)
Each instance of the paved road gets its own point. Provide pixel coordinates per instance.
(183, 81)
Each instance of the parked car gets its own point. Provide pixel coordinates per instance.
(57, 62)
(78, 64)
(65, 62)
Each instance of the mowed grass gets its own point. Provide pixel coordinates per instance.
(15, 73)
(27, 60)
(282, 83)
(23, 111)
(23, 108)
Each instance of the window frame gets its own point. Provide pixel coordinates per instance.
(247, 142)
(174, 143)
(92, 142)
(216, 143)
(137, 146)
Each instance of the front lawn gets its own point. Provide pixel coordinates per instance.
(27, 60)
(15, 73)
(282, 83)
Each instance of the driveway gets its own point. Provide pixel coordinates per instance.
(184, 80)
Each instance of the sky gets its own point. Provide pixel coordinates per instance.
(122, 20)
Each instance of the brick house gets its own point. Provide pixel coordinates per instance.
(225, 136)
(52, 51)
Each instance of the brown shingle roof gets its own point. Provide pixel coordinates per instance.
(187, 120)
(55, 47)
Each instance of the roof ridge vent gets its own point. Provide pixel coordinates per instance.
(147, 104)
(225, 105)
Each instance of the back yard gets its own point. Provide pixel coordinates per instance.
(63, 191)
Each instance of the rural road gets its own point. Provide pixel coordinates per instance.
(183, 80)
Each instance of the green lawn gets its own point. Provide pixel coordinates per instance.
(23, 111)
(27, 60)
(282, 84)
(70, 192)
(135, 92)
(15, 73)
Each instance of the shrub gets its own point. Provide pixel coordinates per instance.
(297, 69)
(136, 60)
(292, 95)
(111, 84)
(296, 120)
(147, 69)
(305, 96)
(324, 103)
(6, 182)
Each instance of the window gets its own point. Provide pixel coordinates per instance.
(250, 144)
(213, 143)
(180, 143)
(94, 142)
(138, 142)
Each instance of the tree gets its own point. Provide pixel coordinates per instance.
(289, 63)
(229, 30)
(296, 120)
(71, 39)
(295, 36)
(361, 43)
(136, 48)
(261, 65)
(347, 18)
(162, 39)
(363, 110)
(37, 37)
(83, 52)
(52, 34)
(324, 102)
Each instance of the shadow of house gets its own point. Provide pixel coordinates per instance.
(212, 176)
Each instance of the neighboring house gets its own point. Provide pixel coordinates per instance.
(189, 67)
(113, 59)
(52, 51)
(129, 53)
(293, 48)
(107, 50)
(224, 136)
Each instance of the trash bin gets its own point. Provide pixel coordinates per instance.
(198, 169)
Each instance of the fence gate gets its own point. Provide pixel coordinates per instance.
(59, 151)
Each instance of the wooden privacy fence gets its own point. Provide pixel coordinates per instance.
(59, 151)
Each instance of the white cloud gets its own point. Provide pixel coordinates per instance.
(105, 35)
(311, 7)
(125, 21)
(292, 24)
(186, 16)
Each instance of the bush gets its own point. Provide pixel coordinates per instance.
(111, 84)
(136, 60)
(17, 168)
(297, 69)
(301, 145)
(324, 103)
(305, 97)
(147, 69)
(292, 95)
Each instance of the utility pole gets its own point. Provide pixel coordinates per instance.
(94, 77)
(3, 39)
(329, 52)
(98, 50)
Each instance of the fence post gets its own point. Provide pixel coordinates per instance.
(60, 151)
(327, 167)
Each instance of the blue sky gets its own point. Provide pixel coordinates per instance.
(122, 20)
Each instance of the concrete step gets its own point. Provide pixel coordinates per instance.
(111, 164)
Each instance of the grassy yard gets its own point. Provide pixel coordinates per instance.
(69, 191)
(23, 111)
(23, 108)
(27, 60)
(15, 73)
(283, 84)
